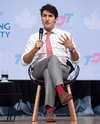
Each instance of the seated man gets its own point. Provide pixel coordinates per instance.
(50, 54)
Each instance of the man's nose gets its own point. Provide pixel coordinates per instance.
(47, 18)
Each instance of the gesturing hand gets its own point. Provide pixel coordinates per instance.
(67, 42)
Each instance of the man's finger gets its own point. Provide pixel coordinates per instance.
(66, 36)
(61, 43)
(61, 40)
(41, 41)
(71, 37)
(63, 37)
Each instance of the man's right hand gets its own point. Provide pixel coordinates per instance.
(39, 43)
(29, 56)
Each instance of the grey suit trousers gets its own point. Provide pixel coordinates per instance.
(53, 73)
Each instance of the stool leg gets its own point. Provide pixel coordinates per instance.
(36, 106)
(71, 106)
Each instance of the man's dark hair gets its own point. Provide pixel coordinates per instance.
(49, 8)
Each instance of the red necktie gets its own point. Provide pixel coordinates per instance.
(48, 46)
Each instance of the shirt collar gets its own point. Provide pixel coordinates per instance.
(54, 30)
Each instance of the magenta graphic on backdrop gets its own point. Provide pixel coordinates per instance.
(64, 19)
(94, 59)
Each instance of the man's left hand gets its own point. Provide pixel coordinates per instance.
(67, 42)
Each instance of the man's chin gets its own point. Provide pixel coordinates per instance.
(47, 28)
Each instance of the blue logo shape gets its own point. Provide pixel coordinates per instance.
(1, 13)
(18, 57)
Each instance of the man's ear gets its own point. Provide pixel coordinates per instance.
(56, 19)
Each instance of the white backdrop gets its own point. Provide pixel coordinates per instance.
(21, 18)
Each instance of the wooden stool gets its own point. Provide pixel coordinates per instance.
(70, 105)
(71, 78)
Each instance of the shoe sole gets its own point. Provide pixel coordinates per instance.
(51, 120)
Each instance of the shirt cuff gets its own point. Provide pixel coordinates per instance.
(22, 61)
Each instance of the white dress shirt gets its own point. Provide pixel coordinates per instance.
(59, 50)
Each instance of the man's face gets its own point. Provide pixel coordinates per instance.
(48, 20)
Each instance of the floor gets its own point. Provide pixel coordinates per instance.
(59, 120)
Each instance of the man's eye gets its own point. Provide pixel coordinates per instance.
(44, 15)
(50, 15)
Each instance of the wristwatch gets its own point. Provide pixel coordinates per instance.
(73, 50)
